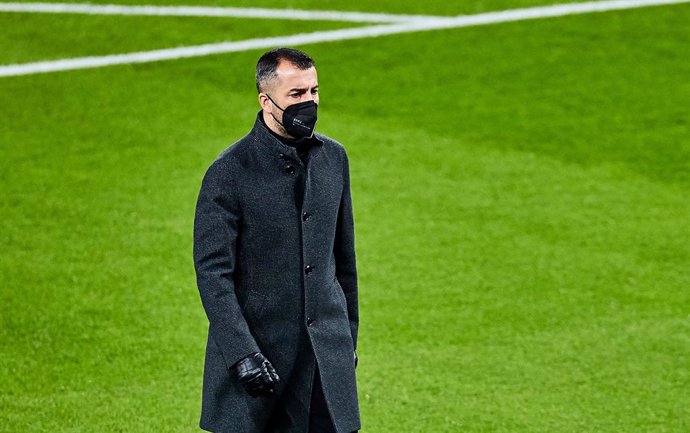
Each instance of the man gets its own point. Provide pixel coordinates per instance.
(274, 255)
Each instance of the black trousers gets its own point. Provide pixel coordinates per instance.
(319, 418)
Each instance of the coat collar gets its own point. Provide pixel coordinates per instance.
(273, 144)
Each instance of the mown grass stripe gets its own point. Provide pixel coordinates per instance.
(425, 24)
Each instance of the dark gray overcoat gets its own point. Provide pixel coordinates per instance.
(274, 254)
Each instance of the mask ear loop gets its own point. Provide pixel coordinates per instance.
(274, 103)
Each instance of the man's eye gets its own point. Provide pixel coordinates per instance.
(314, 91)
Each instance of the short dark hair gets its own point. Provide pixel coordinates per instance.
(268, 63)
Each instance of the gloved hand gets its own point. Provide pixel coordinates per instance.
(356, 359)
(257, 375)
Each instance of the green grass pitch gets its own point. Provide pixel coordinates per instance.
(522, 212)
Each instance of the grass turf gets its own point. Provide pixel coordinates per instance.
(33, 37)
(520, 198)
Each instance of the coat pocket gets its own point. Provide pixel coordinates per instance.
(254, 307)
(339, 294)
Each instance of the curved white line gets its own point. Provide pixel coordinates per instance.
(207, 11)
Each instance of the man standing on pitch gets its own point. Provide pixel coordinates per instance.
(274, 254)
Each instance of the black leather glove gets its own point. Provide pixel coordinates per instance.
(257, 375)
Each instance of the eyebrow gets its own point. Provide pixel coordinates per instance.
(301, 89)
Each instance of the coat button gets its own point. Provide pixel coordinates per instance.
(290, 169)
(309, 321)
(308, 269)
(282, 156)
(305, 216)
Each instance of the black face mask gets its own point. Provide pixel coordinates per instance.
(299, 119)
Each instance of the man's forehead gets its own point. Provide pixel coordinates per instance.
(290, 76)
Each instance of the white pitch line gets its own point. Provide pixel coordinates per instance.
(329, 36)
(207, 11)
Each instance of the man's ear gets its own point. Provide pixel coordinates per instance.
(265, 102)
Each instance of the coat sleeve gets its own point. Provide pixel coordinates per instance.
(344, 251)
(215, 233)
